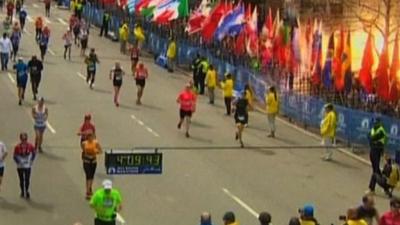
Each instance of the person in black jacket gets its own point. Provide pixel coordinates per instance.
(104, 25)
(195, 68)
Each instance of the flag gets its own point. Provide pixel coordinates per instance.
(268, 27)
(327, 72)
(337, 62)
(252, 45)
(240, 44)
(146, 7)
(365, 75)
(346, 65)
(183, 9)
(213, 20)
(382, 75)
(166, 11)
(394, 70)
(317, 57)
(197, 18)
(232, 23)
(295, 50)
(131, 5)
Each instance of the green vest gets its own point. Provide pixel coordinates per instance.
(205, 66)
(374, 131)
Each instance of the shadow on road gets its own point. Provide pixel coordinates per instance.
(6, 205)
(199, 139)
(262, 151)
(198, 124)
(41, 206)
(52, 156)
(129, 107)
(102, 91)
(152, 107)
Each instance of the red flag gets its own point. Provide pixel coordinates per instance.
(365, 75)
(240, 46)
(213, 20)
(268, 25)
(382, 75)
(195, 22)
(252, 44)
(394, 69)
(140, 5)
(337, 62)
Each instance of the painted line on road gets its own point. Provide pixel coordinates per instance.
(11, 78)
(47, 21)
(30, 19)
(81, 76)
(51, 128)
(240, 202)
(120, 219)
(62, 21)
(141, 123)
(51, 52)
(35, 5)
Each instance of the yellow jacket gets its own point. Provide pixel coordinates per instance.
(171, 52)
(124, 32)
(356, 222)
(272, 103)
(328, 125)
(211, 78)
(139, 34)
(227, 88)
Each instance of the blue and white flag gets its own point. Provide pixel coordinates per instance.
(231, 24)
(131, 5)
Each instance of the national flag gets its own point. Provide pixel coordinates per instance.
(337, 61)
(394, 70)
(166, 11)
(147, 7)
(346, 65)
(327, 72)
(365, 75)
(295, 49)
(198, 17)
(231, 24)
(317, 57)
(268, 26)
(131, 5)
(213, 21)
(240, 44)
(252, 45)
(382, 75)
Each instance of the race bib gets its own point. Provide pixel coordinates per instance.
(108, 203)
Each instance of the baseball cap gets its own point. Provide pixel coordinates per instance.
(107, 184)
(308, 211)
(229, 216)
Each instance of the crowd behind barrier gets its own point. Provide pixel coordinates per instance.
(353, 125)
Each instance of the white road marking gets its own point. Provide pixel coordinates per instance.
(240, 202)
(81, 76)
(47, 21)
(120, 219)
(141, 123)
(51, 128)
(51, 52)
(30, 19)
(11, 78)
(35, 5)
(62, 21)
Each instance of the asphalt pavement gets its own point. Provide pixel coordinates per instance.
(211, 174)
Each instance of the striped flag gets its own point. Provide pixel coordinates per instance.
(131, 5)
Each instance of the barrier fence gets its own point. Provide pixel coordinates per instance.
(353, 125)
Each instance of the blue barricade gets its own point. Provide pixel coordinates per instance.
(353, 125)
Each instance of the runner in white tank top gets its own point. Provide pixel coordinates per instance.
(39, 114)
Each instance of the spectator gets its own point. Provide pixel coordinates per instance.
(171, 54)
(367, 210)
(211, 81)
(123, 37)
(328, 130)
(227, 90)
(205, 219)
(105, 23)
(229, 219)
(391, 217)
(264, 218)
(353, 218)
(307, 216)
(294, 221)
(272, 103)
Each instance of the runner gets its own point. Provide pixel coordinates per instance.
(18, 6)
(35, 67)
(47, 6)
(76, 28)
(22, 78)
(134, 56)
(15, 39)
(22, 17)
(107, 203)
(24, 154)
(187, 101)
(91, 61)
(40, 114)
(5, 51)
(44, 42)
(90, 149)
(68, 38)
(83, 36)
(116, 75)
(38, 28)
(10, 9)
(140, 76)
(3, 155)
(241, 116)
(86, 128)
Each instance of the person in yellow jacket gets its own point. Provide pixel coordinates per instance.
(227, 91)
(139, 35)
(390, 176)
(353, 218)
(171, 54)
(272, 104)
(123, 37)
(211, 82)
(328, 130)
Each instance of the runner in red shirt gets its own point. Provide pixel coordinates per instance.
(141, 75)
(134, 56)
(187, 101)
(86, 128)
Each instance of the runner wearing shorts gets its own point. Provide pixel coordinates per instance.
(134, 57)
(35, 67)
(116, 75)
(86, 128)
(90, 149)
(40, 114)
(22, 78)
(187, 101)
(141, 75)
(91, 62)
(241, 117)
